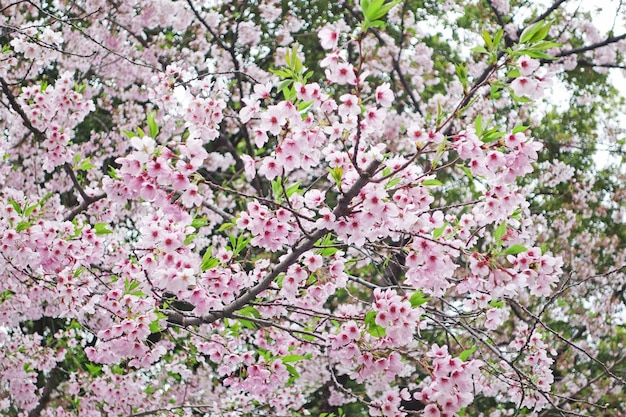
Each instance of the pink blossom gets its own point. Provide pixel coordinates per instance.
(249, 166)
(342, 73)
(328, 38)
(272, 120)
(526, 87)
(270, 168)
(527, 65)
(384, 95)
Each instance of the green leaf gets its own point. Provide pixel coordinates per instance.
(468, 172)
(199, 222)
(16, 206)
(378, 24)
(461, 72)
(328, 252)
(467, 353)
(539, 54)
(373, 328)
(238, 244)
(29, 210)
(94, 370)
(377, 331)
(23, 225)
(520, 128)
(496, 303)
(433, 182)
(155, 327)
(79, 271)
(336, 173)
(518, 98)
(292, 370)
(247, 324)
(543, 45)
(281, 73)
(478, 125)
(249, 311)
(86, 165)
(113, 174)
(140, 132)
(208, 261)
(370, 318)
(479, 49)
(497, 38)
(286, 83)
(514, 73)
(487, 39)
(6, 295)
(152, 125)
(101, 229)
(515, 249)
(225, 226)
(383, 10)
(541, 33)
(293, 188)
(500, 231)
(129, 134)
(439, 231)
(292, 358)
(493, 135)
(392, 183)
(277, 188)
(304, 105)
(530, 31)
(190, 238)
(117, 369)
(418, 298)
(365, 5)
(327, 241)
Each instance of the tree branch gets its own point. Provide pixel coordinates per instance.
(607, 41)
(18, 109)
(341, 210)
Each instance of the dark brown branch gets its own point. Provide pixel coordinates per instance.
(608, 41)
(588, 64)
(68, 169)
(82, 207)
(238, 77)
(342, 209)
(565, 340)
(18, 109)
(87, 200)
(548, 12)
(51, 384)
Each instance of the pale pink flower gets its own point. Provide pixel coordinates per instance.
(248, 166)
(328, 38)
(525, 87)
(270, 168)
(384, 95)
(527, 65)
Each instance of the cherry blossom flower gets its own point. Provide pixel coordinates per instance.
(527, 65)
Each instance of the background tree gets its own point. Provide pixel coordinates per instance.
(253, 208)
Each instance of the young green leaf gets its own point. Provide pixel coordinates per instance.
(101, 229)
(432, 182)
(500, 231)
(152, 125)
(530, 31)
(418, 298)
(467, 353)
(515, 249)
